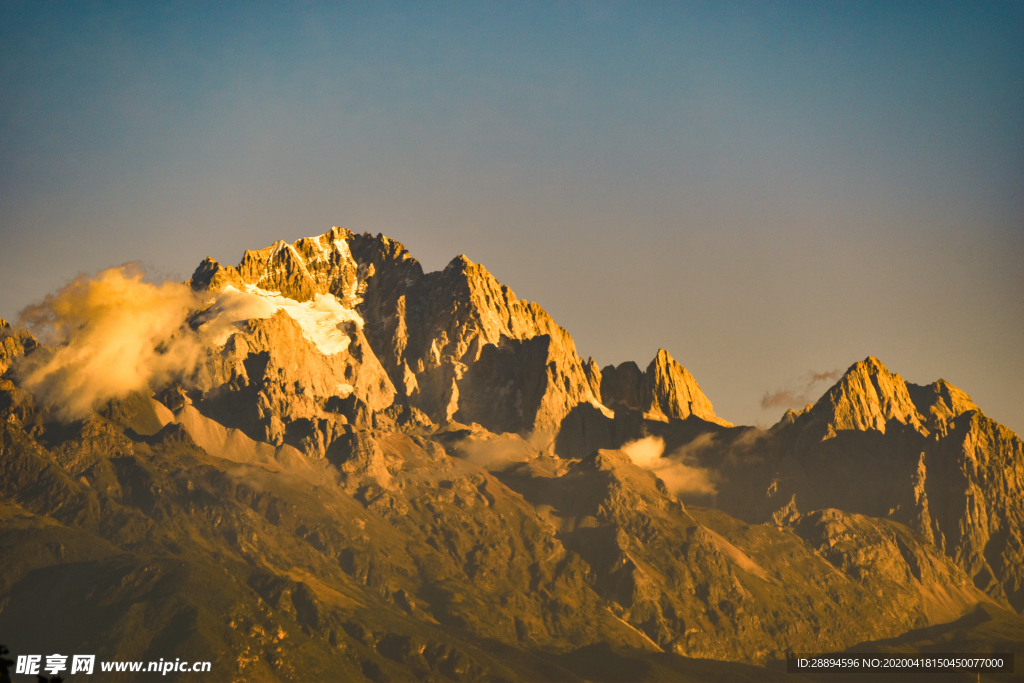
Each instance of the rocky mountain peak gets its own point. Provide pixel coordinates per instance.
(666, 390)
(671, 392)
(593, 374)
(443, 339)
(867, 397)
(463, 264)
(924, 456)
(338, 262)
(299, 271)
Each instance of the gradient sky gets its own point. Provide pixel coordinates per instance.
(764, 189)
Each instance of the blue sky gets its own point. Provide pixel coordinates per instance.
(763, 189)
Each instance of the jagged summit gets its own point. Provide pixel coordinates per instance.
(672, 392)
(665, 391)
(925, 456)
(455, 344)
(303, 269)
(462, 262)
(867, 396)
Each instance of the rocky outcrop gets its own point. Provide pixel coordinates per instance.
(671, 392)
(971, 480)
(268, 379)
(593, 375)
(391, 288)
(666, 391)
(304, 373)
(299, 271)
(938, 404)
(461, 311)
(13, 343)
(524, 387)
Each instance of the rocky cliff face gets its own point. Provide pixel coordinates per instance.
(940, 403)
(666, 391)
(969, 485)
(13, 343)
(271, 382)
(465, 311)
(310, 266)
(671, 392)
(867, 397)
(428, 332)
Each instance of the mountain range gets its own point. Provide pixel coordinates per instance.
(326, 464)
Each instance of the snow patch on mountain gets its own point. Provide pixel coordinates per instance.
(324, 321)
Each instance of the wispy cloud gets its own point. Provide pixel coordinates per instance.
(114, 334)
(799, 393)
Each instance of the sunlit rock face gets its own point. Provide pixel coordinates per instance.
(455, 344)
(425, 331)
(292, 360)
(671, 392)
(13, 343)
(939, 404)
(666, 391)
(299, 271)
(867, 397)
(445, 322)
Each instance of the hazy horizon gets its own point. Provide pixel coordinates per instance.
(768, 191)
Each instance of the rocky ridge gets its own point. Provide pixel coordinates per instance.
(455, 345)
(377, 473)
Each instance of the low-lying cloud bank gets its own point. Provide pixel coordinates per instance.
(114, 334)
(678, 469)
(111, 334)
